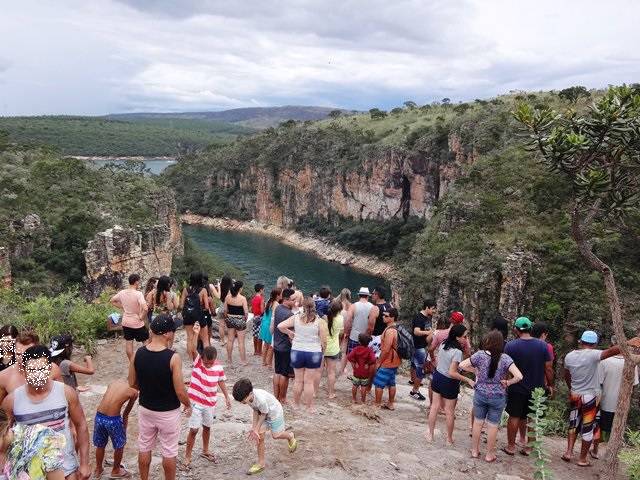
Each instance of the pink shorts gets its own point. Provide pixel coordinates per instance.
(159, 425)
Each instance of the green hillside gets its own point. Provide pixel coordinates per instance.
(94, 136)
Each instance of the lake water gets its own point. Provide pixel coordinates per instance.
(263, 259)
(155, 165)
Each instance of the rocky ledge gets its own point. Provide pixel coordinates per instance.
(318, 246)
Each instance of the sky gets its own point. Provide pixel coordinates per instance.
(105, 56)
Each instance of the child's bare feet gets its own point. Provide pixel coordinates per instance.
(450, 442)
(429, 437)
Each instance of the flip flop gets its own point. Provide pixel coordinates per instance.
(293, 445)
(255, 469)
(511, 454)
(124, 475)
(524, 452)
(595, 456)
(493, 460)
(210, 457)
(583, 464)
(387, 407)
(565, 458)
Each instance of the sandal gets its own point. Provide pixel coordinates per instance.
(583, 464)
(595, 456)
(126, 474)
(565, 458)
(504, 449)
(293, 445)
(210, 457)
(255, 469)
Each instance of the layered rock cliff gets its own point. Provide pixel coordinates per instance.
(388, 182)
(117, 252)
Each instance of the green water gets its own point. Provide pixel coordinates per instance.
(263, 259)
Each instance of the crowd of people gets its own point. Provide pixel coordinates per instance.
(43, 428)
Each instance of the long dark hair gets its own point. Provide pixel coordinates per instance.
(196, 281)
(151, 284)
(225, 285)
(493, 342)
(275, 293)
(235, 288)
(455, 331)
(163, 285)
(334, 309)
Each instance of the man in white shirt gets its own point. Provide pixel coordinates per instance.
(610, 372)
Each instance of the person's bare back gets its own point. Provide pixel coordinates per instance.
(118, 393)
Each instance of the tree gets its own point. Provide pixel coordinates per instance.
(599, 151)
(410, 104)
(573, 94)
(396, 111)
(376, 113)
(335, 113)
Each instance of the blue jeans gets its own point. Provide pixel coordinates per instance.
(488, 408)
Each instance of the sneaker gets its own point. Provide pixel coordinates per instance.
(418, 396)
(293, 445)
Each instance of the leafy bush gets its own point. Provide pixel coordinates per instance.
(65, 313)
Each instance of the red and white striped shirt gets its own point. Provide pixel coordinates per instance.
(203, 388)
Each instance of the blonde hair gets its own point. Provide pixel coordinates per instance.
(283, 282)
(308, 314)
(345, 295)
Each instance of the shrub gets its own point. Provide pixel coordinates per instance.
(65, 313)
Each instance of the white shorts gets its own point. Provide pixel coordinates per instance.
(201, 416)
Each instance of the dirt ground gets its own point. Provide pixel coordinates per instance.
(339, 442)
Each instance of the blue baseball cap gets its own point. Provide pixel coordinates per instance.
(589, 336)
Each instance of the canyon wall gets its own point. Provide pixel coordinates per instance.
(390, 183)
(117, 252)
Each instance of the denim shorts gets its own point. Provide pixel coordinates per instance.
(488, 408)
(417, 362)
(301, 359)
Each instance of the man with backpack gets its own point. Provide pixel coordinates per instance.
(389, 360)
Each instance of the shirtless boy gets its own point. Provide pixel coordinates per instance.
(109, 424)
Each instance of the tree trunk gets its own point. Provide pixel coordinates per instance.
(610, 465)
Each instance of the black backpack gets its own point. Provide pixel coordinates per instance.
(405, 343)
(192, 310)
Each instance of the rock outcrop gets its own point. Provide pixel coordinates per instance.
(117, 252)
(28, 234)
(391, 182)
(502, 290)
(148, 251)
(5, 268)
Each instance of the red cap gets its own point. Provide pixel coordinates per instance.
(457, 317)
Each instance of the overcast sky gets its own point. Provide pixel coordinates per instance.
(101, 56)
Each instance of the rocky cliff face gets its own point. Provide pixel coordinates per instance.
(392, 183)
(5, 268)
(118, 252)
(503, 290)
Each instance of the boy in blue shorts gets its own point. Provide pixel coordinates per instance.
(267, 415)
(109, 424)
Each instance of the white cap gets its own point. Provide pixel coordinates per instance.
(364, 291)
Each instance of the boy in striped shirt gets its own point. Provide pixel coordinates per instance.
(207, 375)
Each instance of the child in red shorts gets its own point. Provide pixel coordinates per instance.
(363, 360)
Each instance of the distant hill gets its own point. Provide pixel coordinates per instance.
(101, 136)
(255, 117)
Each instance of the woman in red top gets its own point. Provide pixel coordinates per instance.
(257, 308)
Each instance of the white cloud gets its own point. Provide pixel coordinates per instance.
(107, 55)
